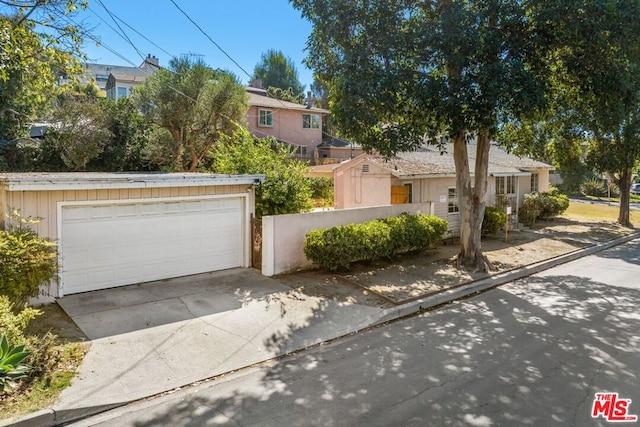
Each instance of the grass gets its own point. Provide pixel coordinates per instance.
(45, 389)
(57, 350)
(598, 212)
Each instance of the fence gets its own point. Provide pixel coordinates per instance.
(283, 235)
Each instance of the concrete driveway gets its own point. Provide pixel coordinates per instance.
(157, 336)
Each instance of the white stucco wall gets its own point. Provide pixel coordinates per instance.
(354, 188)
(283, 235)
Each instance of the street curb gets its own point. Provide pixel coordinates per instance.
(44, 417)
(449, 295)
(49, 417)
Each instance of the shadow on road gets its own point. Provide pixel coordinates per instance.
(517, 355)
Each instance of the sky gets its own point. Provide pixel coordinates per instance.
(244, 29)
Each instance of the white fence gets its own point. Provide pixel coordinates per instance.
(283, 235)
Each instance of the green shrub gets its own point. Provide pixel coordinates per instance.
(594, 187)
(542, 205)
(11, 368)
(338, 247)
(322, 190)
(554, 203)
(14, 324)
(27, 261)
(494, 219)
(530, 210)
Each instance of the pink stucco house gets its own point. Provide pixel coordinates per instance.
(426, 175)
(295, 124)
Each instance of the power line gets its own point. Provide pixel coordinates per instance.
(133, 29)
(210, 39)
(123, 33)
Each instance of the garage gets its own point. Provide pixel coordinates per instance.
(121, 229)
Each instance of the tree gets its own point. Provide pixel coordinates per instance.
(127, 149)
(401, 70)
(279, 71)
(195, 104)
(37, 43)
(285, 95)
(79, 131)
(285, 190)
(610, 89)
(595, 103)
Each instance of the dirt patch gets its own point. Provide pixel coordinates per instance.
(419, 274)
(56, 321)
(334, 287)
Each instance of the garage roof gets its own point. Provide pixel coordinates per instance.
(95, 180)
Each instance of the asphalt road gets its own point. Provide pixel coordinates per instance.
(530, 353)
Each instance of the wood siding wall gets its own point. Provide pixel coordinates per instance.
(44, 204)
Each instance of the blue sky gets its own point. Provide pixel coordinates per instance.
(243, 28)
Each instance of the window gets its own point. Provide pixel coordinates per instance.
(265, 118)
(453, 201)
(311, 121)
(301, 150)
(409, 188)
(111, 93)
(505, 185)
(534, 182)
(122, 92)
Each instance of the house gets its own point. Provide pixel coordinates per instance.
(427, 175)
(294, 124)
(337, 149)
(99, 73)
(119, 85)
(116, 229)
(120, 82)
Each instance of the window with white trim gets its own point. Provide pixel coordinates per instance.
(452, 201)
(265, 118)
(311, 121)
(534, 182)
(505, 185)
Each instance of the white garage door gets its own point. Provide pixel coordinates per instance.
(110, 245)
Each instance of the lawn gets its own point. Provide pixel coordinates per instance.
(598, 212)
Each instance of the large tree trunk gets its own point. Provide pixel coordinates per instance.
(471, 202)
(624, 185)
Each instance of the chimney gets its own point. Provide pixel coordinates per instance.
(150, 60)
(309, 100)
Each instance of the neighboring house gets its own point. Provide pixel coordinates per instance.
(337, 149)
(294, 124)
(120, 82)
(99, 73)
(120, 85)
(116, 229)
(426, 175)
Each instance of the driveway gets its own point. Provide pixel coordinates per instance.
(158, 336)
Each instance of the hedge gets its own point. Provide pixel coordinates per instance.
(542, 205)
(338, 247)
(494, 220)
(27, 261)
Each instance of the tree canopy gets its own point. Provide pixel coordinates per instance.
(38, 42)
(194, 105)
(278, 71)
(285, 190)
(595, 104)
(402, 72)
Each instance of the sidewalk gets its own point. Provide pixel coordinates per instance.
(157, 337)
